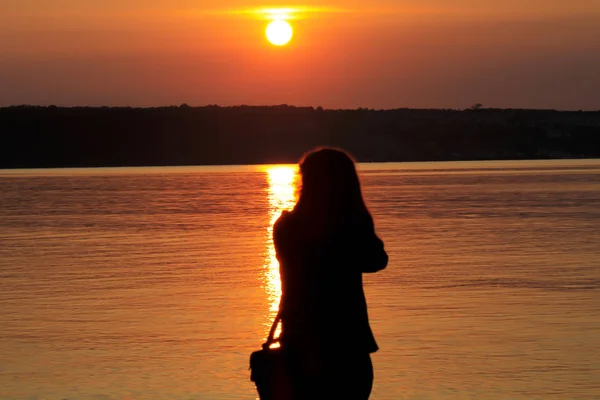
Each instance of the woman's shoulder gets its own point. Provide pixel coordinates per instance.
(284, 220)
(284, 229)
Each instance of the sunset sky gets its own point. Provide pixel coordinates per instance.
(344, 53)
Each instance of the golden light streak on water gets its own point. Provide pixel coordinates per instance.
(282, 196)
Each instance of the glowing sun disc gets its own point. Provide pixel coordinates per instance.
(279, 32)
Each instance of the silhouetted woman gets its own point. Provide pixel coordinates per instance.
(324, 245)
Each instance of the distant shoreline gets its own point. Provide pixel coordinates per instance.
(408, 167)
(84, 137)
(476, 107)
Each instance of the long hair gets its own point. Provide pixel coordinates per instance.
(330, 193)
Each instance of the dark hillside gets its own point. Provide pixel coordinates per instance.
(32, 137)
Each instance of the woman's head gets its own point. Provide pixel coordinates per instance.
(330, 185)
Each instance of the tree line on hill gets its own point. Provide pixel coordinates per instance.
(42, 137)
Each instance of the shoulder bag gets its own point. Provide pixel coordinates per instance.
(268, 369)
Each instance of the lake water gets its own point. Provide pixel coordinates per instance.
(157, 283)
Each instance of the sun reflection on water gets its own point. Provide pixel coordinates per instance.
(282, 196)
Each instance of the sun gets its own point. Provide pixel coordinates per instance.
(279, 32)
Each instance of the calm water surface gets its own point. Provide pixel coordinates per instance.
(157, 283)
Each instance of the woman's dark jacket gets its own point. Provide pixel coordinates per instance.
(323, 304)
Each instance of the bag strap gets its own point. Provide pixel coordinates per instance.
(271, 338)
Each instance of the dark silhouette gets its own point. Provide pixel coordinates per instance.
(324, 246)
(42, 137)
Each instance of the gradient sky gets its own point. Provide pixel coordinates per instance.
(345, 53)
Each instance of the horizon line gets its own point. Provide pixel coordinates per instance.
(475, 107)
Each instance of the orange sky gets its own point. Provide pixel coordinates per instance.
(345, 54)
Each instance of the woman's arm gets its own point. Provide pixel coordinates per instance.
(371, 254)
(362, 248)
